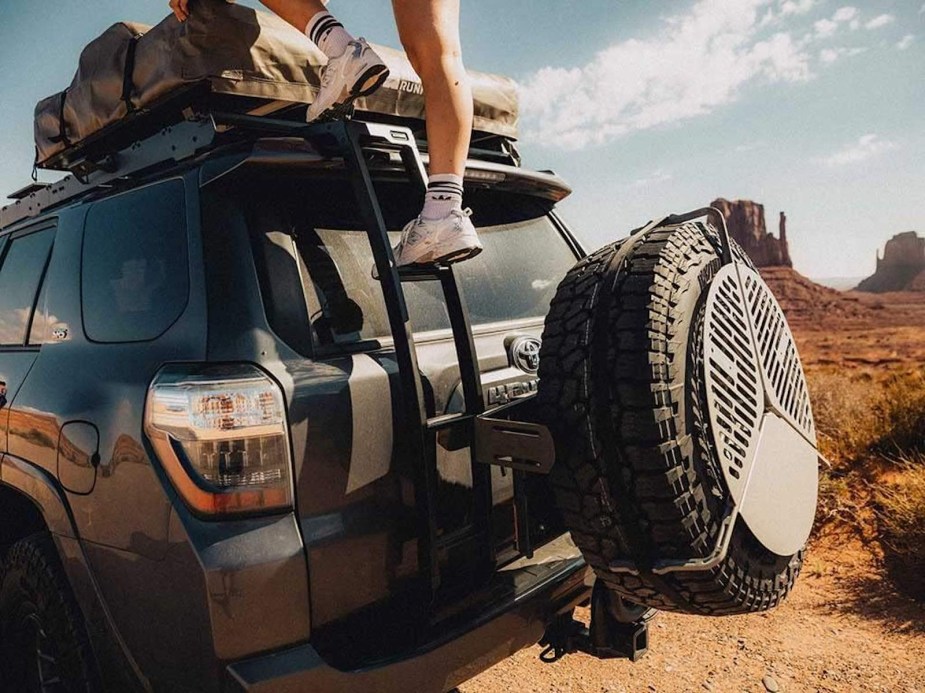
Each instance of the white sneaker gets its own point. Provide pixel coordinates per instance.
(438, 241)
(359, 71)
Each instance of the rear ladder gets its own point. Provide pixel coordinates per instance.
(419, 429)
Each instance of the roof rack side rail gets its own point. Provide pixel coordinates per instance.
(173, 143)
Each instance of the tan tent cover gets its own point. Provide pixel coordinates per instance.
(239, 51)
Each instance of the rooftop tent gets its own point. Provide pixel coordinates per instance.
(233, 51)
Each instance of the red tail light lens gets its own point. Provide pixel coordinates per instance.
(221, 434)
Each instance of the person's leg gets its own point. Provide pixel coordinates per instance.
(297, 12)
(353, 68)
(429, 32)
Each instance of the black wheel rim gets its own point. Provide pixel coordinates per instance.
(36, 654)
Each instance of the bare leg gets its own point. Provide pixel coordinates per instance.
(429, 31)
(297, 12)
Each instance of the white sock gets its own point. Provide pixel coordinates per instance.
(328, 34)
(444, 194)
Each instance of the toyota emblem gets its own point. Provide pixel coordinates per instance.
(525, 354)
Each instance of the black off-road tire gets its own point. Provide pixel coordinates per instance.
(41, 622)
(621, 388)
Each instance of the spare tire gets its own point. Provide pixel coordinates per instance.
(637, 477)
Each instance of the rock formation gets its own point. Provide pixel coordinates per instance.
(902, 267)
(745, 220)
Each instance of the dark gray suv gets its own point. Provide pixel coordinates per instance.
(243, 451)
(218, 472)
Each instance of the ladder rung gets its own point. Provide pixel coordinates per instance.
(423, 274)
(448, 420)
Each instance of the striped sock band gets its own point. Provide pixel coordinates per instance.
(328, 34)
(444, 194)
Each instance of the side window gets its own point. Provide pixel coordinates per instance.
(135, 268)
(23, 266)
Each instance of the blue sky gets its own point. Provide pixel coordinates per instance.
(815, 107)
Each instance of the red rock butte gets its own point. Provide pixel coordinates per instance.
(745, 220)
(902, 267)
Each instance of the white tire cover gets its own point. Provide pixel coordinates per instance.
(759, 410)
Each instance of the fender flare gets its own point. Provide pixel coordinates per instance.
(35, 484)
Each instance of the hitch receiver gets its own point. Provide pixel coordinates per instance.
(605, 638)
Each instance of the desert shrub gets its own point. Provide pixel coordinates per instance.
(900, 415)
(858, 416)
(843, 410)
(866, 426)
(901, 515)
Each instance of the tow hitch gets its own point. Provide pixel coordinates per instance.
(610, 634)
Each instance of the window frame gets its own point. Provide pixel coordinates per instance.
(188, 229)
(6, 242)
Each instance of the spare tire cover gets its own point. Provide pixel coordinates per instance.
(675, 395)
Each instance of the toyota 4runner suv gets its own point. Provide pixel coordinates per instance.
(242, 451)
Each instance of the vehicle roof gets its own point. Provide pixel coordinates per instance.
(144, 167)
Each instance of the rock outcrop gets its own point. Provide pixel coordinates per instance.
(809, 304)
(745, 220)
(902, 267)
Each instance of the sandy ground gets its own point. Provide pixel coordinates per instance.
(842, 629)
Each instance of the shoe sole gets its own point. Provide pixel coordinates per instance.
(458, 256)
(368, 82)
(426, 261)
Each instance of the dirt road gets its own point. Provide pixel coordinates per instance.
(842, 629)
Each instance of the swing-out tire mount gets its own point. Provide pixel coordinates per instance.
(660, 426)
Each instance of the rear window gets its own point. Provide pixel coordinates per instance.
(135, 273)
(309, 247)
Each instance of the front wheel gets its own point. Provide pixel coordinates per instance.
(44, 646)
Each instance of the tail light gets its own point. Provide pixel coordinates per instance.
(220, 432)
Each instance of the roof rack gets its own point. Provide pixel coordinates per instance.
(27, 190)
(173, 143)
(181, 125)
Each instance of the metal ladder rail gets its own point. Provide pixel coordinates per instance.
(421, 431)
(470, 377)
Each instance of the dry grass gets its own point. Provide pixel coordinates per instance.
(872, 434)
(900, 416)
(901, 514)
(859, 416)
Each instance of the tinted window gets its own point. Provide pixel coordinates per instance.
(315, 262)
(135, 277)
(515, 277)
(20, 276)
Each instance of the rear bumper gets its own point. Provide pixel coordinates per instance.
(439, 667)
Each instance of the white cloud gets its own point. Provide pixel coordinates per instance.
(905, 42)
(866, 147)
(844, 14)
(879, 21)
(830, 55)
(796, 7)
(787, 8)
(697, 62)
(825, 28)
